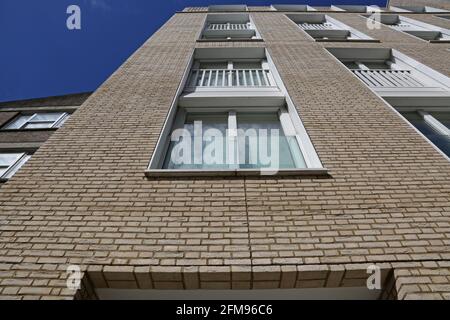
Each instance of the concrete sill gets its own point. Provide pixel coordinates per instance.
(231, 40)
(156, 173)
(349, 40)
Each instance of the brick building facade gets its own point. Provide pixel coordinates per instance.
(84, 197)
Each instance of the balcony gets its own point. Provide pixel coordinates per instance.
(415, 28)
(383, 78)
(316, 26)
(394, 76)
(229, 26)
(322, 27)
(231, 76)
(400, 83)
(222, 78)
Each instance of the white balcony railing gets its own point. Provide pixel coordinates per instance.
(385, 78)
(210, 78)
(316, 26)
(228, 26)
(401, 26)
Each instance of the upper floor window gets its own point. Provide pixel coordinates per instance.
(415, 28)
(292, 7)
(242, 73)
(356, 9)
(432, 122)
(227, 7)
(39, 120)
(417, 9)
(325, 28)
(393, 74)
(10, 163)
(216, 138)
(233, 114)
(229, 26)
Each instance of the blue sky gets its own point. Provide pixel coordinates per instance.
(40, 57)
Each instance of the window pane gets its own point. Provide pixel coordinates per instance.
(18, 122)
(50, 116)
(211, 153)
(260, 136)
(439, 140)
(7, 160)
(38, 125)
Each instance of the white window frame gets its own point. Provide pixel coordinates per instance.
(410, 103)
(354, 35)
(16, 165)
(313, 163)
(355, 8)
(284, 118)
(434, 123)
(232, 18)
(416, 28)
(436, 85)
(56, 124)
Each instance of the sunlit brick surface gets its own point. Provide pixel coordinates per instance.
(84, 199)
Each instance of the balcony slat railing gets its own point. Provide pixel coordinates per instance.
(228, 26)
(385, 78)
(210, 78)
(316, 26)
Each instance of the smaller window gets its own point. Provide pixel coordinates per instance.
(417, 9)
(322, 27)
(227, 26)
(10, 163)
(419, 29)
(41, 120)
(433, 125)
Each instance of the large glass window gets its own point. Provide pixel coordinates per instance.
(233, 140)
(41, 120)
(10, 163)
